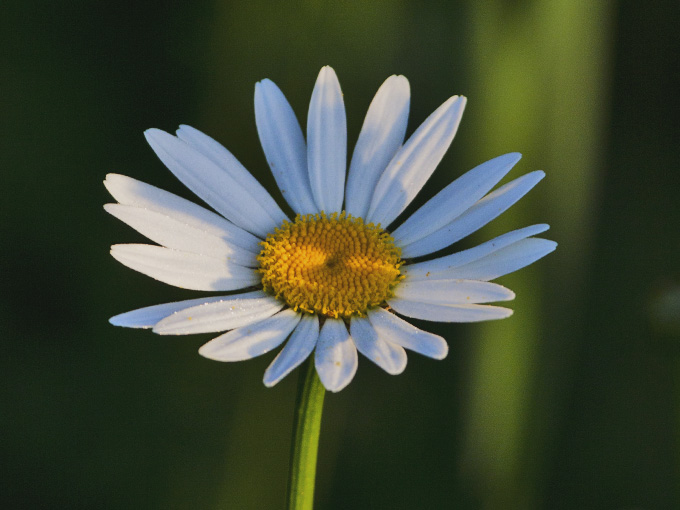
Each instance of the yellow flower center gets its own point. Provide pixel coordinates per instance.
(336, 265)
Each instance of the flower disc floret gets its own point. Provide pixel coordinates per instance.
(336, 266)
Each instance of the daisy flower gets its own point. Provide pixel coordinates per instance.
(337, 275)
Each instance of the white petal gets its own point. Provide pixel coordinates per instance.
(251, 341)
(284, 146)
(174, 234)
(455, 199)
(451, 292)
(431, 268)
(327, 142)
(448, 313)
(381, 136)
(298, 347)
(129, 191)
(413, 165)
(149, 316)
(220, 186)
(387, 355)
(182, 269)
(400, 332)
(336, 358)
(230, 312)
(502, 262)
(219, 155)
(487, 209)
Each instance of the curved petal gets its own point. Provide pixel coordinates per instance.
(182, 269)
(413, 164)
(230, 312)
(219, 155)
(336, 358)
(455, 199)
(451, 292)
(149, 316)
(284, 146)
(400, 332)
(251, 341)
(387, 355)
(174, 234)
(327, 142)
(381, 136)
(129, 191)
(220, 186)
(502, 262)
(432, 268)
(448, 313)
(487, 209)
(298, 347)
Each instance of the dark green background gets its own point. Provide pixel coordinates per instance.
(573, 403)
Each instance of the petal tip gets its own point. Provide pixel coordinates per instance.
(264, 85)
(336, 388)
(327, 74)
(460, 100)
(156, 137)
(396, 370)
(204, 351)
(399, 80)
(152, 132)
(270, 380)
(115, 320)
(514, 157)
(443, 353)
(184, 128)
(159, 329)
(269, 384)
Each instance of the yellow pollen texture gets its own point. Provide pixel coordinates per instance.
(335, 265)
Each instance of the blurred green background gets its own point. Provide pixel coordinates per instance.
(573, 403)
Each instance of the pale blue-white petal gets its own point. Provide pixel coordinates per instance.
(387, 355)
(129, 191)
(221, 189)
(487, 209)
(230, 312)
(335, 358)
(284, 146)
(381, 136)
(432, 268)
(451, 292)
(448, 313)
(400, 332)
(455, 199)
(327, 142)
(149, 316)
(502, 262)
(183, 269)
(172, 233)
(219, 155)
(414, 163)
(253, 340)
(298, 347)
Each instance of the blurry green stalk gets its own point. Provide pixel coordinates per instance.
(306, 428)
(540, 89)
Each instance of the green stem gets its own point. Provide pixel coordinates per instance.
(306, 428)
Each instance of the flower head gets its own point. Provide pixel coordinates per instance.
(333, 278)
